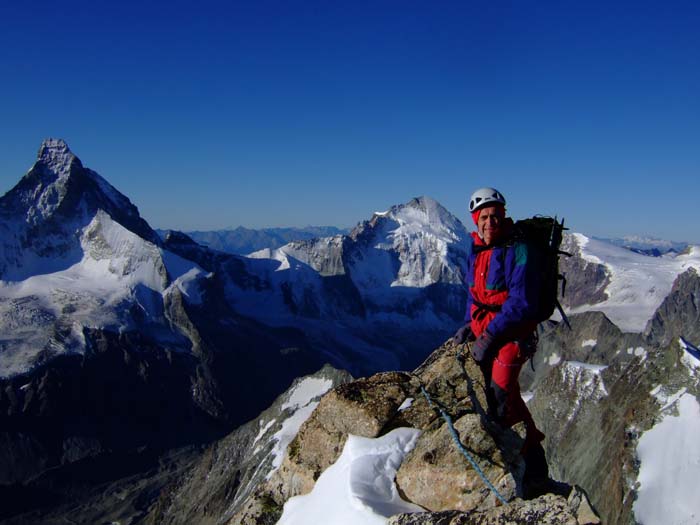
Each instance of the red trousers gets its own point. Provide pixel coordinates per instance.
(503, 391)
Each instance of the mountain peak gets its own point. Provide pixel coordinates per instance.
(55, 155)
(58, 196)
(429, 215)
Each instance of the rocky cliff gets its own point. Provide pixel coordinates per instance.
(596, 392)
(679, 314)
(434, 475)
(586, 279)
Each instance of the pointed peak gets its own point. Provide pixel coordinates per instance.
(57, 156)
(53, 145)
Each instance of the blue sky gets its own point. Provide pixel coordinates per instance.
(218, 114)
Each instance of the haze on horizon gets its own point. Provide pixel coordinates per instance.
(294, 113)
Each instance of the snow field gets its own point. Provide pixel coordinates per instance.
(638, 283)
(669, 455)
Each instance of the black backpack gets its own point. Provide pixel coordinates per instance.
(543, 236)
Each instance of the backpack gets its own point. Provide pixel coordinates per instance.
(543, 236)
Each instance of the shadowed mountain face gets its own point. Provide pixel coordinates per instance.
(121, 353)
(42, 214)
(679, 314)
(118, 347)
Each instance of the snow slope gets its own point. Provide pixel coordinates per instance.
(669, 455)
(119, 282)
(638, 283)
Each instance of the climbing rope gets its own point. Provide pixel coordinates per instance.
(455, 437)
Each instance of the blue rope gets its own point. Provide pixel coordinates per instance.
(463, 450)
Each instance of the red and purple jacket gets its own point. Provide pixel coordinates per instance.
(503, 291)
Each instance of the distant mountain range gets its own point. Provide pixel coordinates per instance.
(118, 346)
(123, 351)
(646, 245)
(243, 241)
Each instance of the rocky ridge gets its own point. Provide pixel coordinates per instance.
(434, 475)
(215, 486)
(598, 390)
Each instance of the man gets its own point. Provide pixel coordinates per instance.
(500, 319)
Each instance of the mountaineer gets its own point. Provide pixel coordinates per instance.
(502, 317)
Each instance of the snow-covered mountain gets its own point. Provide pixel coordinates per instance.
(119, 347)
(131, 341)
(390, 261)
(44, 215)
(76, 255)
(627, 286)
(111, 343)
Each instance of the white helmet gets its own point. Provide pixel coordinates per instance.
(485, 196)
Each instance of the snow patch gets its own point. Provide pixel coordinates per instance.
(406, 404)
(283, 437)
(264, 427)
(669, 455)
(584, 378)
(358, 489)
(306, 390)
(638, 352)
(301, 400)
(554, 359)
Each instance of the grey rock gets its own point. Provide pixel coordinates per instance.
(216, 486)
(679, 314)
(592, 339)
(547, 509)
(435, 474)
(585, 281)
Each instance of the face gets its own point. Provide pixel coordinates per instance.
(490, 224)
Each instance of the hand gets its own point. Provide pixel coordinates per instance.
(464, 334)
(484, 348)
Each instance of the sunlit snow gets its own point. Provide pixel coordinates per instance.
(117, 268)
(306, 390)
(406, 404)
(358, 489)
(669, 455)
(301, 400)
(638, 283)
(554, 359)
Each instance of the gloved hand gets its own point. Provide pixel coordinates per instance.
(464, 334)
(484, 348)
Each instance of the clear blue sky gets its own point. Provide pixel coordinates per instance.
(289, 113)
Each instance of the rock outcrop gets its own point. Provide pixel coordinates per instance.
(586, 281)
(211, 491)
(435, 474)
(595, 394)
(679, 314)
(592, 339)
